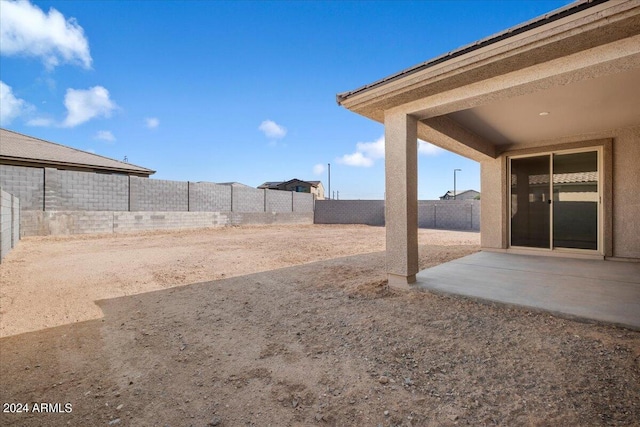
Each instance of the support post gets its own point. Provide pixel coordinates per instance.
(401, 180)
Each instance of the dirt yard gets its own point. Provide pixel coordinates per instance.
(286, 326)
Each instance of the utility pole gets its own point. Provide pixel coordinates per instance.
(454, 182)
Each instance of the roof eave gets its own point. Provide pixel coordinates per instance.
(347, 99)
(137, 170)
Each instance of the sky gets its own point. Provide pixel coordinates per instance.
(240, 91)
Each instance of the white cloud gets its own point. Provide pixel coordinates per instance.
(368, 152)
(105, 135)
(365, 155)
(152, 122)
(10, 106)
(356, 159)
(40, 122)
(272, 130)
(318, 169)
(84, 105)
(26, 30)
(428, 149)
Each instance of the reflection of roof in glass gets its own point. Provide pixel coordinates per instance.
(560, 178)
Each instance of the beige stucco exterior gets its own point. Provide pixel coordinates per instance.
(566, 81)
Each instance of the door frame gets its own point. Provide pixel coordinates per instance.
(600, 251)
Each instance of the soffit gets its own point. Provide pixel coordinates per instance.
(589, 106)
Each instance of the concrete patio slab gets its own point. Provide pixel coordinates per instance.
(605, 291)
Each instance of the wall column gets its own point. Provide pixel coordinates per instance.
(401, 193)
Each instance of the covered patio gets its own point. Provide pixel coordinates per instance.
(575, 288)
(551, 110)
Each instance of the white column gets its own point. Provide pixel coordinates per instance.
(401, 211)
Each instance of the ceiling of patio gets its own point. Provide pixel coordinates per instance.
(584, 107)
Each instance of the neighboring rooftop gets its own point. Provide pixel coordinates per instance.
(275, 184)
(19, 149)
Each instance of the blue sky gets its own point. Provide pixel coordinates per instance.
(233, 91)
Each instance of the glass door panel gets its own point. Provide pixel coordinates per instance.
(530, 199)
(575, 200)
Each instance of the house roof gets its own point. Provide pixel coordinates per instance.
(274, 184)
(457, 193)
(234, 184)
(571, 72)
(23, 149)
(562, 178)
(563, 12)
(270, 184)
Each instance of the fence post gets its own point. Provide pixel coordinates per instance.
(435, 216)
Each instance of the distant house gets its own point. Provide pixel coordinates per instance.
(461, 195)
(299, 186)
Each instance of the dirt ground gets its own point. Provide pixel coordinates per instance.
(284, 326)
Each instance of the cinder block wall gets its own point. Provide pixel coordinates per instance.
(50, 189)
(42, 223)
(246, 199)
(209, 197)
(370, 212)
(303, 202)
(27, 184)
(9, 222)
(158, 195)
(73, 202)
(440, 214)
(86, 191)
(278, 201)
(449, 214)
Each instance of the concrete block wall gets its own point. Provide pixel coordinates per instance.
(266, 218)
(137, 221)
(449, 214)
(209, 197)
(9, 222)
(247, 199)
(303, 202)
(42, 223)
(158, 195)
(370, 212)
(439, 214)
(71, 202)
(27, 184)
(278, 201)
(74, 190)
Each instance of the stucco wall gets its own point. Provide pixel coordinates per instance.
(620, 190)
(626, 191)
(493, 226)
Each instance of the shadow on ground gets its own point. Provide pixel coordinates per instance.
(321, 344)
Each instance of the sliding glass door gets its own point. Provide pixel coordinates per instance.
(555, 201)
